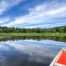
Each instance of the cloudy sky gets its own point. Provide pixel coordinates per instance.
(32, 13)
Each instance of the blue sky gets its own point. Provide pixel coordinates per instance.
(32, 13)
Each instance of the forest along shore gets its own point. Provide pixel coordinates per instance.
(12, 32)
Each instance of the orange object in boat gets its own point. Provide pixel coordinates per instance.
(62, 59)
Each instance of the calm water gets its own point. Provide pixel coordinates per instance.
(30, 51)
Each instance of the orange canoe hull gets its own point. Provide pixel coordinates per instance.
(62, 59)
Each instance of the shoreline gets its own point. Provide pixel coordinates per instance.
(32, 34)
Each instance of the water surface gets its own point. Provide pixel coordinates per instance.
(29, 52)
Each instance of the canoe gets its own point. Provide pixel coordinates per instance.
(60, 59)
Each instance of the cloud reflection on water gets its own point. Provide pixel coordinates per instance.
(20, 52)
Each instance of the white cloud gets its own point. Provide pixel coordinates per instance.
(56, 11)
(47, 25)
(7, 4)
(3, 20)
(42, 13)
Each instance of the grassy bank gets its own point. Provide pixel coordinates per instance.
(30, 34)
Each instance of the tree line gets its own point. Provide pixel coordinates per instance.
(61, 29)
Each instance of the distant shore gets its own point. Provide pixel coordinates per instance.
(6, 35)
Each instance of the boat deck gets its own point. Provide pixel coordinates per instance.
(62, 59)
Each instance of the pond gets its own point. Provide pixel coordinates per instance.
(30, 51)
